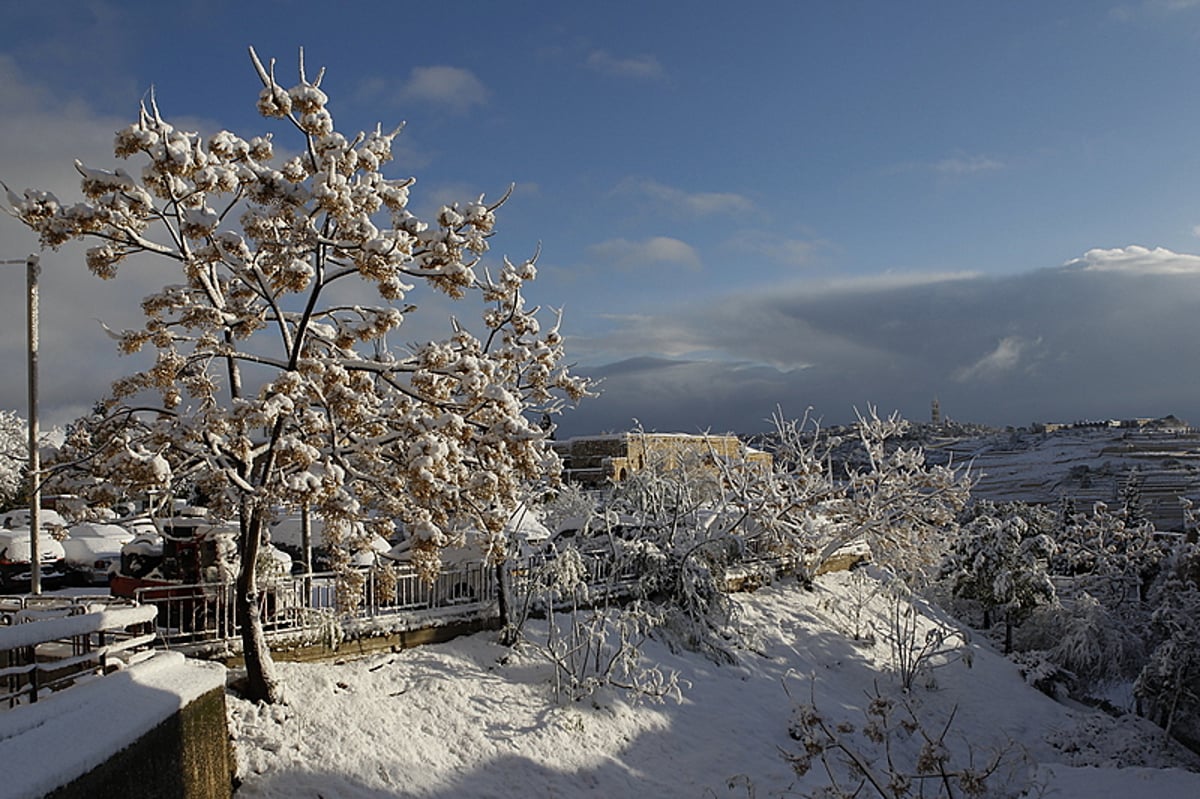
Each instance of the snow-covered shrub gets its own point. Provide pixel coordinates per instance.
(1043, 672)
(893, 752)
(590, 644)
(1098, 644)
(919, 644)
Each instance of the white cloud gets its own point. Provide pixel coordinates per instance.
(967, 165)
(792, 252)
(1000, 361)
(451, 87)
(957, 165)
(626, 254)
(42, 133)
(644, 67)
(1158, 261)
(684, 203)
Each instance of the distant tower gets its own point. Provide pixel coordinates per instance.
(936, 412)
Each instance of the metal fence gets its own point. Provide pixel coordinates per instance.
(204, 614)
(201, 617)
(49, 644)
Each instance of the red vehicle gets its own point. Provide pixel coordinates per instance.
(185, 567)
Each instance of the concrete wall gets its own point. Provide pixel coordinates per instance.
(188, 756)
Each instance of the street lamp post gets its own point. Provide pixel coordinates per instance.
(32, 269)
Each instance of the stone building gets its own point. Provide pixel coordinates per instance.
(596, 461)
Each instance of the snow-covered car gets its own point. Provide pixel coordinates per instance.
(48, 519)
(141, 554)
(16, 548)
(526, 534)
(594, 533)
(16, 572)
(93, 550)
(287, 535)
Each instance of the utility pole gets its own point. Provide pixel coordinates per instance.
(32, 268)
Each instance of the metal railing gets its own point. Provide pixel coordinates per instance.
(204, 613)
(202, 616)
(49, 646)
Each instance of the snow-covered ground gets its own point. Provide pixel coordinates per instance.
(470, 718)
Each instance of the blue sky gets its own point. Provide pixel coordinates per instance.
(800, 204)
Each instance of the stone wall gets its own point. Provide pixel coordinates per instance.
(595, 461)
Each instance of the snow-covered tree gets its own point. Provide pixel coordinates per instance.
(785, 511)
(1103, 568)
(14, 457)
(903, 508)
(887, 497)
(1109, 557)
(274, 384)
(1132, 505)
(1169, 683)
(997, 562)
(680, 537)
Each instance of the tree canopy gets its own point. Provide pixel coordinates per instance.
(274, 381)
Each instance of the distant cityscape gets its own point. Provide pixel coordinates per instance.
(1086, 460)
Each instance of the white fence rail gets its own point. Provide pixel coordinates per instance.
(48, 645)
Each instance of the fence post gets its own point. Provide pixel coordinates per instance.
(34, 681)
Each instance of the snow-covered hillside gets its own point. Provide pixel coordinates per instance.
(470, 718)
(1087, 464)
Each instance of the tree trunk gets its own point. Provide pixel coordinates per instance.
(261, 683)
(1008, 632)
(508, 635)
